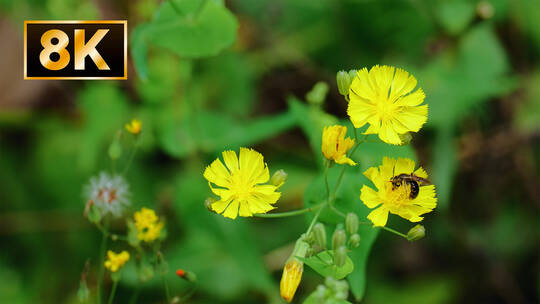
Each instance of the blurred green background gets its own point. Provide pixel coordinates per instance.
(214, 76)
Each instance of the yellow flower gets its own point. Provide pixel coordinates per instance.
(385, 100)
(396, 200)
(335, 145)
(148, 225)
(290, 279)
(242, 185)
(115, 261)
(134, 127)
(292, 272)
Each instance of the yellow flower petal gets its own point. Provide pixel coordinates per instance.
(369, 197)
(379, 216)
(243, 188)
(404, 165)
(396, 199)
(231, 161)
(335, 146)
(383, 98)
(232, 210)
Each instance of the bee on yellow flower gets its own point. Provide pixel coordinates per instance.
(115, 261)
(406, 199)
(148, 225)
(134, 127)
(335, 145)
(384, 98)
(241, 184)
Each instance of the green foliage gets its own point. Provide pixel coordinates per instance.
(215, 75)
(323, 264)
(189, 28)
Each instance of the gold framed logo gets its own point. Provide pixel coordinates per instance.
(75, 49)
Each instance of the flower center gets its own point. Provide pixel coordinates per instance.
(107, 195)
(398, 196)
(385, 108)
(241, 186)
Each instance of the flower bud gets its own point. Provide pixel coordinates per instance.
(485, 9)
(354, 240)
(317, 95)
(319, 233)
(351, 223)
(338, 238)
(352, 75)
(208, 203)
(320, 293)
(343, 82)
(405, 139)
(186, 275)
(83, 292)
(341, 290)
(340, 256)
(417, 232)
(134, 127)
(292, 272)
(279, 178)
(115, 150)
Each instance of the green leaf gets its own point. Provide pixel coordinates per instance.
(455, 15)
(218, 131)
(139, 50)
(188, 28)
(311, 120)
(94, 216)
(323, 264)
(360, 255)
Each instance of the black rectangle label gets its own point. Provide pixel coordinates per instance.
(75, 49)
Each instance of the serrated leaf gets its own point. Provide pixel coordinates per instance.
(323, 264)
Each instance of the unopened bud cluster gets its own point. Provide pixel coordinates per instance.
(333, 291)
(344, 80)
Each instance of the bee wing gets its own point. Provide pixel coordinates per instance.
(423, 181)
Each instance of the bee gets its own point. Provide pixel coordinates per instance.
(412, 180)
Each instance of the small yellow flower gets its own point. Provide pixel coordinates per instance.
(335, 145)
(292, 272)
(396, 200)
(148, 225)
(134, 127)
(115, 261)
(243, 185)
(383, 98)
(290, 279)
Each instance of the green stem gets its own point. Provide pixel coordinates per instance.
(175, 7)
(135, 295)
(166, 286)
(314, 220)
(189, 294)
(113, 291)
(289, 213)
(340, 177)
(160, 260)
(395, 232)
(326, 180)
(132, 155)
(336, 211)
(102, 249)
